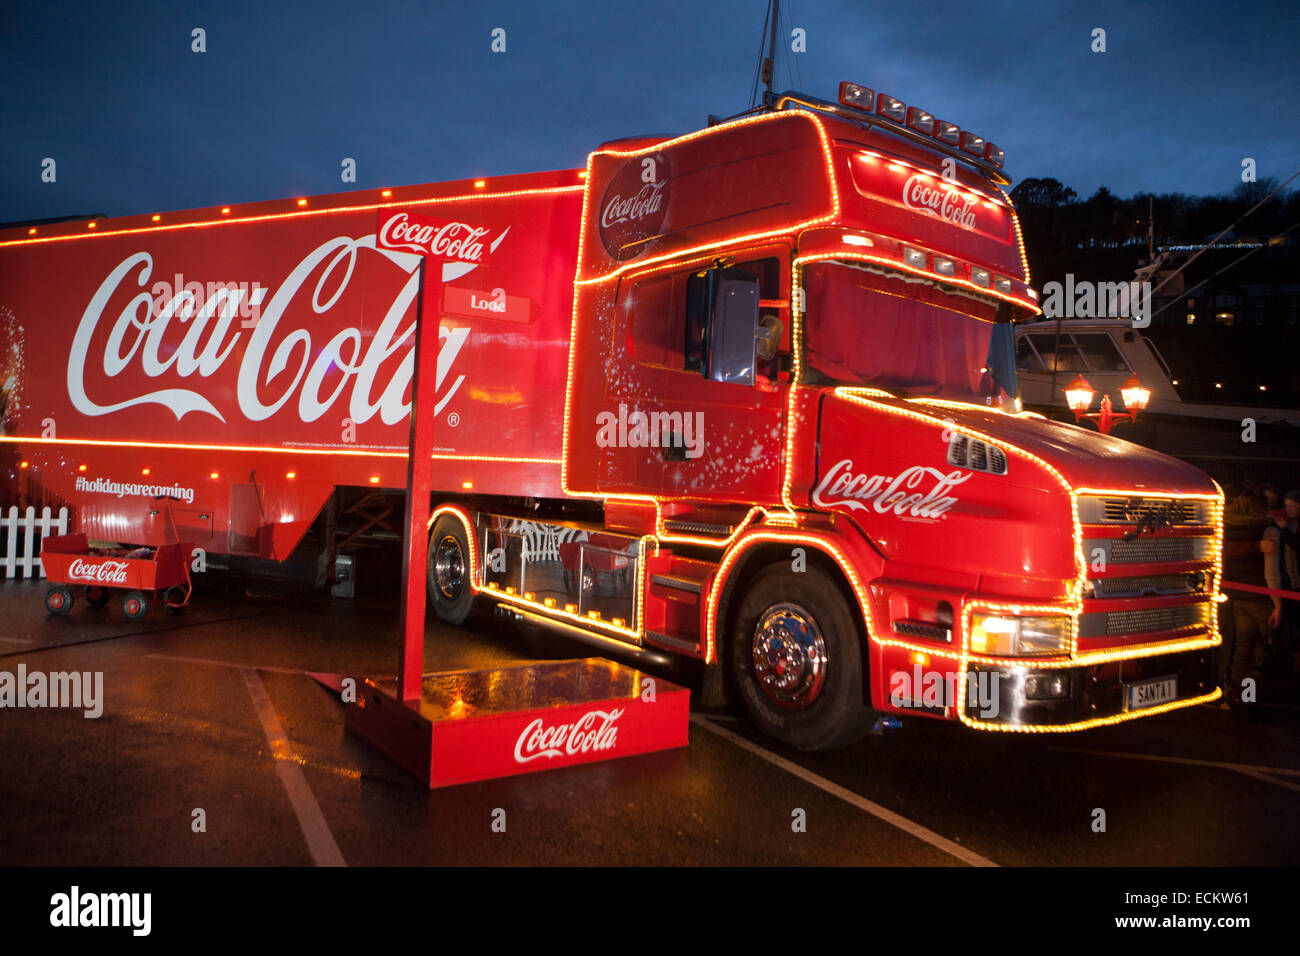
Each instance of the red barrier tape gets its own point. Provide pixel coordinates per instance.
(1255, 589)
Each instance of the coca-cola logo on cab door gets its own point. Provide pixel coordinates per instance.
(103, 572)
(633, 207)
(915, 492)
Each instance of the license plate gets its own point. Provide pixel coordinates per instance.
(1148, 693)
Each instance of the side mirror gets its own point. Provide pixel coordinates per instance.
(733, 327)
(767, 337)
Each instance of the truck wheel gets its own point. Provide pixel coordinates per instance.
(449, 584)
(58, 600)
(134, 605)
(795, 653)
(96, 596)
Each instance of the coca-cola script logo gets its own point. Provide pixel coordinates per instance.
(374, 376)
(593, 731)
(104, 572)
(634, 206)
(884, 494)
(461, 244)
(939, 199)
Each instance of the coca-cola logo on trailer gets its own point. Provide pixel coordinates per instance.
(634, 205)
(104, 572)
(281, 360)
(922, 192)
(593, 731)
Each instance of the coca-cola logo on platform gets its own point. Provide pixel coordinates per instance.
(916, 492)
(633, 207)
(279, 360)
(922, 192)
(593, 731)
(104, 572)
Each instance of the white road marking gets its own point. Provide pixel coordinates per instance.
(236, 666)
(1161, 758)
(848, 796)
(320, 842)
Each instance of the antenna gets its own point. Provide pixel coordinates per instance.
(774, 13)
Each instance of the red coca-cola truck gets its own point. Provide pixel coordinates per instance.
(745, 396)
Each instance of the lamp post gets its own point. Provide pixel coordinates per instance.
(1079, 395)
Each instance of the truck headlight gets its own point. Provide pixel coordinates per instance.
(1005, 636)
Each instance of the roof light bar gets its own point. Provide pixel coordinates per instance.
(920, 120)
(947, 132)
(891, 108)
(994, 155)
(857, 96)
(970, 143)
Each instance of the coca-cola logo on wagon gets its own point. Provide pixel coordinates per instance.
(633, 207)
(103, 572)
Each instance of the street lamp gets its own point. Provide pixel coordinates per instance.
(1079, 395)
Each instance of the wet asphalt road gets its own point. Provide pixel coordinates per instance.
(180, 732)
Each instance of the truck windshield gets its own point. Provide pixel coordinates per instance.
(907, 335)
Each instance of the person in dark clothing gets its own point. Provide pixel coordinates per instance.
(1249, 540)
(1284, 572)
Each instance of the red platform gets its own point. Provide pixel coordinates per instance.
(478, 724)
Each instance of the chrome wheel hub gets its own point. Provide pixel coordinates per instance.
(789, 656)
(449, 567)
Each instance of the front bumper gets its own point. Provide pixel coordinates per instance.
(1089, 695)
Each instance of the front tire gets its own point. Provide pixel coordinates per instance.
(134, 605)
(795, 654)
(449, 571)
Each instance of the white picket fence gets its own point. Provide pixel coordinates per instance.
(27, 527)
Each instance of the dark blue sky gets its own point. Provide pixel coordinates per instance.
(137, 122)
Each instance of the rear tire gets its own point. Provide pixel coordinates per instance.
(134, 605)
(796, 656)
(449, 571)
(58, 600)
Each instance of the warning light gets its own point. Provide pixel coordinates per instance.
(156, 217)
(81, 468)
(549, 602)
(90, 225)
(31, 231)
(467, 485)
(144, 471)
(374, 479)
(291, 474)
(225, 210)
(571, 608)
(213, 476)
(22, 464)
(302, 202)
(386, 193)
(480, 183)
(920, 658)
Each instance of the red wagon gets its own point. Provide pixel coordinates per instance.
(139, 572)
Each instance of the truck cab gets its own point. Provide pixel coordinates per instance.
(792, 375)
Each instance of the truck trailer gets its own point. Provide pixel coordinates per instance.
(744, 397)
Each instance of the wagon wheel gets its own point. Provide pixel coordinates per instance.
(96, 596)
(134, 605)
(58, 600)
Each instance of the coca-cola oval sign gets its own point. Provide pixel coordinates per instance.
(633, 207)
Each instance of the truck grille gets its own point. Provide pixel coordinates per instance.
(1117, 510)
(1146, 620)
(1192, 582)
(1146, 550)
